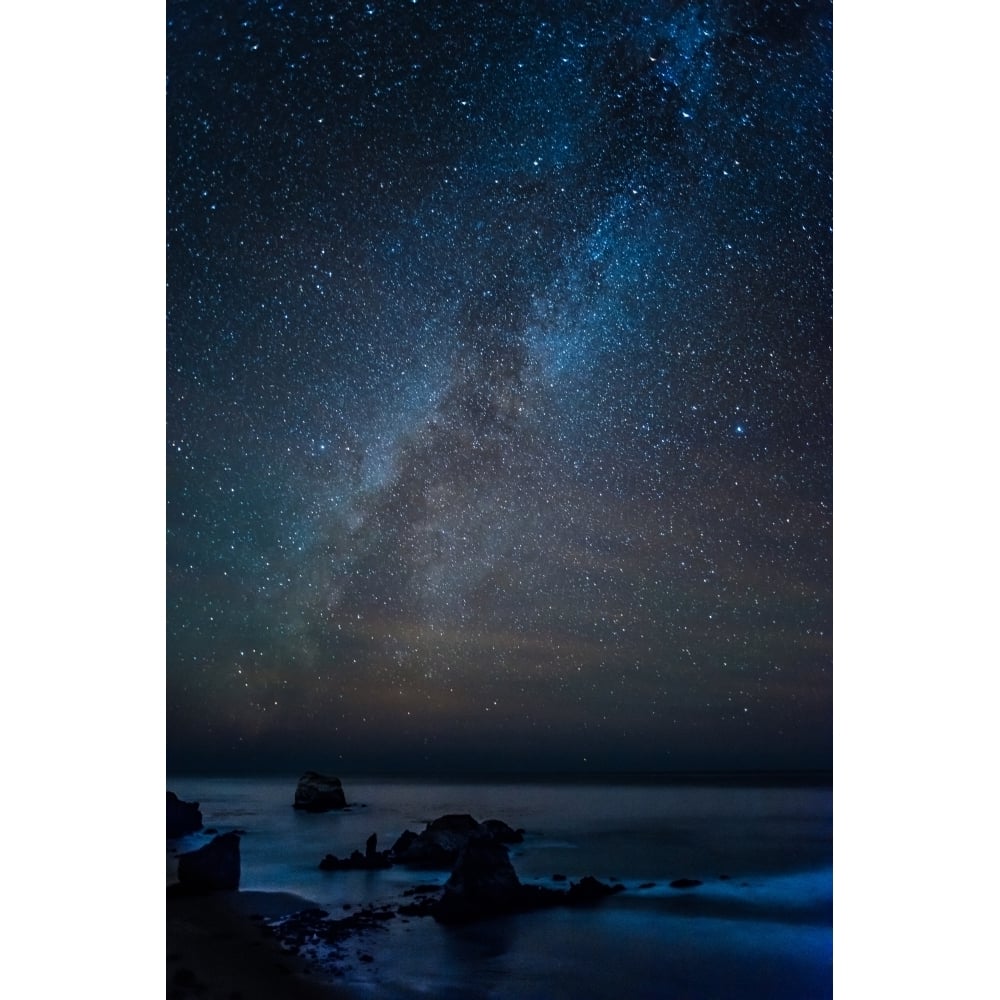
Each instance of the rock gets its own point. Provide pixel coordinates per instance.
(182, 817)
(424, 906)
(482, 883)
(318, 793)
(483, 870)
(685, 883)
(589, 890)
(441, 842)
(437, 847)
(216, 866)
(501, 832)
(421, 890)
(371, 860)
(558, 877)
(403, 843)
(453, 829)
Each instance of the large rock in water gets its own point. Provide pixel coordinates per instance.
(213, 867)
(318, 793)
(440, 843)
(482, 883)
(182, 817)
(499, 831)
(483, 872)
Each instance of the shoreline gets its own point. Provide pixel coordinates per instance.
(216, 950)
(765, 848)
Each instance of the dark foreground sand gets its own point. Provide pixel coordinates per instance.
(215, 951)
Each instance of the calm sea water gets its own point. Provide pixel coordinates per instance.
(763, 932)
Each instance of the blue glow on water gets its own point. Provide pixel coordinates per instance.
(763, 931)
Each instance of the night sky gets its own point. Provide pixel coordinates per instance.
(499, 385)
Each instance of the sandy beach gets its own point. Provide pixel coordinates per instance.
(216, 950)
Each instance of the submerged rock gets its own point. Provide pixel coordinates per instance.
(318, 793)
(685, 883)
(182, 817)
(211, 868)
(589, 890)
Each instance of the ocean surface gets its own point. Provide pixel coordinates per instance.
(765, 931)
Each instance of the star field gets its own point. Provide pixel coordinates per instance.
(499, 404)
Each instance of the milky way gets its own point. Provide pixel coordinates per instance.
(499, 425)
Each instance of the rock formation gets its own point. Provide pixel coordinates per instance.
(371, 860)
(318, 793)
(484, 884)
(215, 866)
(182, 817)
(439, 845)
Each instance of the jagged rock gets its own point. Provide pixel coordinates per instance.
(483, 870)
(357, 862)
(501, 832)
(182, 817)
(371, 860)
(439, 845)
(309, 927)
(403, 843)
(319, 793)
(213, 867)
(454, 829)
(483, 882)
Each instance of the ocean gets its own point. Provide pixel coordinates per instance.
(759, 926)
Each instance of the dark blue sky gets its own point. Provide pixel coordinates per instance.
(499, 406)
